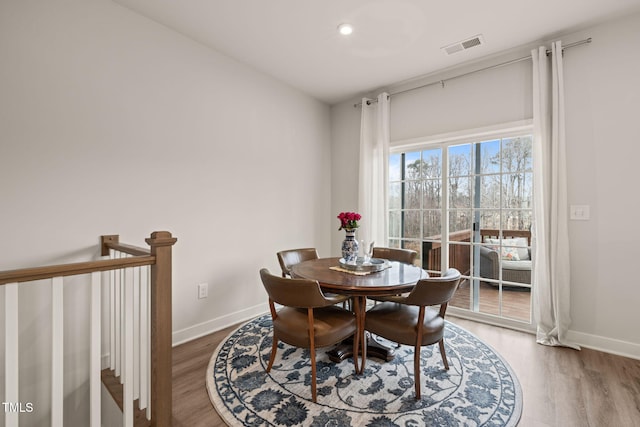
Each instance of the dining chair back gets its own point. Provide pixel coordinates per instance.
(308, 319)
(406, 256)
(411, 320)
(291, 257)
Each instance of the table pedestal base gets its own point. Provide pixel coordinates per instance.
(344, 350)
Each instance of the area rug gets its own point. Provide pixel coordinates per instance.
(480, 388)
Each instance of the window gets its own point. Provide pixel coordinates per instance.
(467, 203)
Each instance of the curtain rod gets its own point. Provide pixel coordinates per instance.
(491, 67)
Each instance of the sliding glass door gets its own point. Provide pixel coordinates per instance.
(467, 204)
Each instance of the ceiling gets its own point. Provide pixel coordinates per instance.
(296, 41)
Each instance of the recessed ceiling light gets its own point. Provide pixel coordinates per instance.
(345, 29)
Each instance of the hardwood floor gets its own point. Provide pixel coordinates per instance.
(561, 387)
(565, 387)
(191, 404)
(516, 302)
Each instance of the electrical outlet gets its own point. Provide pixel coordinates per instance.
(203, 290)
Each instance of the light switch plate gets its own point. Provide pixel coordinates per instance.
(579, 212)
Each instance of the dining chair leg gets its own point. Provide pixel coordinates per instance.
(313, 374)
(363, 346)
(356, 336)
(272, 357)
(416, 369)
(443, 354)
(312, 351)
(361, 313)
(356, 347)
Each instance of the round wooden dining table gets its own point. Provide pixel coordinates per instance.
(398, 278)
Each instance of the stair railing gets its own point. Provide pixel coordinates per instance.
(140, 326)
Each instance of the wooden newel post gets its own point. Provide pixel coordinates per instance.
(161, 329)
(104, 240)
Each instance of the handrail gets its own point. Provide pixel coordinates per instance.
(48, 272)
(141, 256)
(112, 242)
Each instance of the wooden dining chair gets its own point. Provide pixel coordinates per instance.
(308, 319)
(407, 256)
(291, 257)
(410, 319)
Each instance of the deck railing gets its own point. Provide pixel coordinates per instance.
(458, 255)
(140, 330)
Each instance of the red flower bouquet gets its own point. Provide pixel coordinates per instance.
(349, 220)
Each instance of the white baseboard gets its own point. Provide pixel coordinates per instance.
(604, 344)
(594, 342)
(491, 320)
(213, 325)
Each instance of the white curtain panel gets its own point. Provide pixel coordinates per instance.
(551, 270)
(372, 186)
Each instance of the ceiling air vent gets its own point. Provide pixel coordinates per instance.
(463, 45)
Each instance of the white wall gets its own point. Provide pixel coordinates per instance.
(602, 95)
(345, 158)
(113, 124)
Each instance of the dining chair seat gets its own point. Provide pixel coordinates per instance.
(399, 321)
(330, 326)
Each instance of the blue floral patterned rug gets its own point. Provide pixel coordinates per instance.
(480, 388)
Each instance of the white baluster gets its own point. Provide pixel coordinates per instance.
(112, 314)
(94, 352)
(57, 352)
(148, 343)
(11, 353)
(136, 333)
(144, 338)
(119, 318)
(128, 374)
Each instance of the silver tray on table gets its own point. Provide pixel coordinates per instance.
(374, 265)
